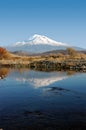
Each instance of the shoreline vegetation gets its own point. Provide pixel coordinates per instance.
(72, 60)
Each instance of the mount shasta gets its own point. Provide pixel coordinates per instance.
(38, 44)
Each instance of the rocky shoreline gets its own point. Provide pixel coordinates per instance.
(45, 64)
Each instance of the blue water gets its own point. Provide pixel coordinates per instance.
(42, 100)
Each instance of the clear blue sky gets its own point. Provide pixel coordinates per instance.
(61, 20)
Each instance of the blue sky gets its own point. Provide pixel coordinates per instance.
(61, 20)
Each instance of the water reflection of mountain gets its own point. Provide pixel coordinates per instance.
(38, 79)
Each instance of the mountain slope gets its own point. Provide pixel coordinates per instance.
(38, 44)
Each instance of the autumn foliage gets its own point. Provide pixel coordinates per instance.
(3, 52)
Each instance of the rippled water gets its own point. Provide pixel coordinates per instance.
(32, 100)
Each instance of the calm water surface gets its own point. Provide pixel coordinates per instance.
(32, 100)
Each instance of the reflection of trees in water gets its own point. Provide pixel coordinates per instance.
(45, 69)
(21, 70)
(69, 73)
(3, 72)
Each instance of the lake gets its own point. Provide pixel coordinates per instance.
(51, 100)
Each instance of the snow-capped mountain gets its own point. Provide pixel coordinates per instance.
(39, 39)
(38, 44)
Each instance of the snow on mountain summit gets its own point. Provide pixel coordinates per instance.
(39, 39)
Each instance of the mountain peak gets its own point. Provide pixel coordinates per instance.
(36, 36)
(41, 39)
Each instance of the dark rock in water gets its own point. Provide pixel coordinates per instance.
(36, 112)
(57, 89)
